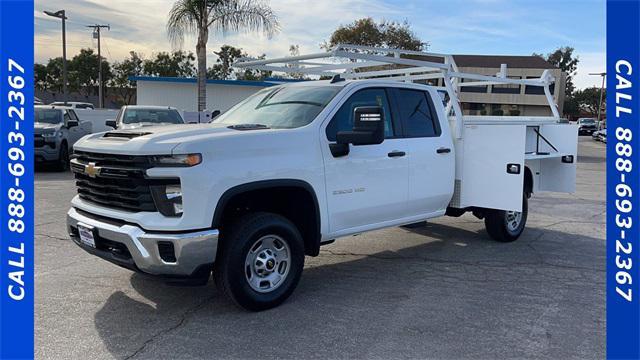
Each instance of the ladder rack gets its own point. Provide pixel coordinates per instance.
(364, 62)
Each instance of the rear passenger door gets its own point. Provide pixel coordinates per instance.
(429, 151)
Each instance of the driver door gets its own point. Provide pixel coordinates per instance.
(369, 185)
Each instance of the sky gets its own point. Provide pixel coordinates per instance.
(500, 27)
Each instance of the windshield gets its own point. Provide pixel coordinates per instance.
(284, 107)
(48, 116)
(587, 121)
(156, 116)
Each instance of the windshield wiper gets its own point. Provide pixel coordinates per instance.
(248, 126)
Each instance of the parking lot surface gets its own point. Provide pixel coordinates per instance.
(444, 290)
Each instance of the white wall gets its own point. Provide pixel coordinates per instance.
(184, 96)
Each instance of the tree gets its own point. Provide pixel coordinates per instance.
(589, 99)
(54, 74)
(176, 64)
(40, 77)
(383, 34)
(563, 58)
(223, 68)
(226, 57)
(122, 71)
(197, 16)
(83, 72)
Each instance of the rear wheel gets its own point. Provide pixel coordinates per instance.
(507, 226)
(260, 261)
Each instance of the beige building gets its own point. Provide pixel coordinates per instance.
(509, 99)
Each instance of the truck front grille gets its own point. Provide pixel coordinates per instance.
(116, 181)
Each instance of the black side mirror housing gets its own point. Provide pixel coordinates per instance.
(215, 114)
(368, 129)
(111, 123)
(72, 123)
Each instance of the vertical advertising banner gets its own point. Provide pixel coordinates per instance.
(16, 179)
(623, 182)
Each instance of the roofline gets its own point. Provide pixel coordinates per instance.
(195, 80)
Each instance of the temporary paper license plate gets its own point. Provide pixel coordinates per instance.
(86, 235)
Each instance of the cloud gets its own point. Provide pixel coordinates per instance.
(452, 26)
(590, 62)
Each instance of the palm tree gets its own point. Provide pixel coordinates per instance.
(197, 16)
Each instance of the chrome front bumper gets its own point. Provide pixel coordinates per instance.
(192, 250)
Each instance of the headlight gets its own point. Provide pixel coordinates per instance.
(177, 160)
(51, 134)
(168, 199)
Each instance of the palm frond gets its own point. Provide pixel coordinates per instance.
(185, 17)
(242, 15)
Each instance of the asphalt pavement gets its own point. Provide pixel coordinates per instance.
(443, 291)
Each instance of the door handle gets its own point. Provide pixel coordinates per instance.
(396, 153)
(443, 150)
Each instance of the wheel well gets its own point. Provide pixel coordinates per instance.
(528, 181)
(292, 199)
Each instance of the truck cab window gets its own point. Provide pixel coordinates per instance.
(343, 119)
(417, 114)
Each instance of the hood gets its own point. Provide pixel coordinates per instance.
(39, 128)
(155, 140)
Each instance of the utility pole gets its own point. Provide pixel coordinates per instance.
(604, 75)
(96, 35)
(60, 14)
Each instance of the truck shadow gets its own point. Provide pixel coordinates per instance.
(403, 303)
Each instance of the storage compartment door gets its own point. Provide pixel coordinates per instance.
(491, 153)
(556, 175)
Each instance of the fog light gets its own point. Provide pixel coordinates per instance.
(168, 199)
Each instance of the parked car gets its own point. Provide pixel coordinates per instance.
(56, 130)
(74, 104)
(586, 126)
(596, 135)
(136, 116)
(603, 135)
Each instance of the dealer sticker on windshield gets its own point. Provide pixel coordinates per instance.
(86, 235)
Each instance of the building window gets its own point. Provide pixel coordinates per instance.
(537, 90)
(473, 89)
(507, 88)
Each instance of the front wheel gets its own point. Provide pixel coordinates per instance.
(63, 161)
(507, 226)
(260, 261)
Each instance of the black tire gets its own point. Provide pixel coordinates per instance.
(230, 271)
(496, 223)
(63, 161)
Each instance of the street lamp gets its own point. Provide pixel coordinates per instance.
(604, 75)
(60, 14)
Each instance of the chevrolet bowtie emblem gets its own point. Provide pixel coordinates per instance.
(92, 170)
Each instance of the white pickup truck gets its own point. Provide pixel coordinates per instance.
(296, 166)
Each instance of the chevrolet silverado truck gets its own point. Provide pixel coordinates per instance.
(295, 166)
(56, 129)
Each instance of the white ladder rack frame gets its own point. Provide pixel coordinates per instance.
(359, 57)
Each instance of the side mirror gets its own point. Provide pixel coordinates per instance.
(111, 123)
(72, 123)
(368, 129)
(215, 114)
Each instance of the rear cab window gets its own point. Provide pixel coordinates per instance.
(416, 113)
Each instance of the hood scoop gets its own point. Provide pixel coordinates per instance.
(244, 127)
(124, 135)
